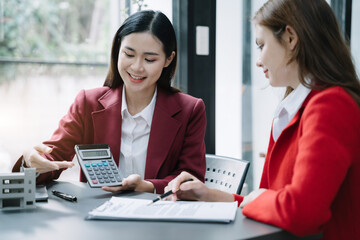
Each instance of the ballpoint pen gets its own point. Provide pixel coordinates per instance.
(64, 196)
(168, 193)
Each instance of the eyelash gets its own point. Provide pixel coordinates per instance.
(128, 55)
(260, 47)
(148, 60)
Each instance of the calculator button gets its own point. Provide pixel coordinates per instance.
(95, 181)
(105, 164)
(87, 165)
(118, 178)
(91, 173)
(99, 164)
(111, 164)
(93, 164)
(101, 181)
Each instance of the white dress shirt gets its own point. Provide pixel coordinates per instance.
(135, 132)
(287, 109)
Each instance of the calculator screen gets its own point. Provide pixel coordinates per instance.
(95, 153)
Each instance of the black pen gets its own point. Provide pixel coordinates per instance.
(168, 193)
(64, 196)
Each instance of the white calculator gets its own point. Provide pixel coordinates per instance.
(98, 165)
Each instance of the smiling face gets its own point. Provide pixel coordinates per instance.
(140, 63)
(274, 57)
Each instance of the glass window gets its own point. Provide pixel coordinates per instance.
(355, 34)
(58, 30)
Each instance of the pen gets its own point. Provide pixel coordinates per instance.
(64, 196)
(168, 193)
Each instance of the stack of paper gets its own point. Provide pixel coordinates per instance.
(119, 208)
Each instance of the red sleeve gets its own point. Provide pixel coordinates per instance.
(238, 198)
(327, 148)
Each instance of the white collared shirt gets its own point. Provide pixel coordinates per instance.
(135, 132)
(287, 109)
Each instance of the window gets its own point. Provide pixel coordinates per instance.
(355, 34)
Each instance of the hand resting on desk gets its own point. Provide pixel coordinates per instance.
(132, 182)
(33, 158)
(197, 190)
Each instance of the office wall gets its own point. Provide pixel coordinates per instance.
(201, 61)
(228, 78)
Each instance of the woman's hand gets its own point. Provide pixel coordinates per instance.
(251, 196)
(193, 190)
(132, 182)
(33, 159)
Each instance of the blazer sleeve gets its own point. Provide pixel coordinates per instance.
(69, 132)
(326, 150)
(192, 153)
(238, 199)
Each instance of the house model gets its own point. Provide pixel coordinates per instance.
(17, 190)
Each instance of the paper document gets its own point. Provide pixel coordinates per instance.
(118, 208)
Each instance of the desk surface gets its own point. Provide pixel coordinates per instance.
(60, 219)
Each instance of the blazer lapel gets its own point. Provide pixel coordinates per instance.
(297, 116)
(163, 132)
(107, 121)
(277, 147)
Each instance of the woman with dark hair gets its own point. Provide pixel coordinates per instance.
(311, 176)
(154, 131)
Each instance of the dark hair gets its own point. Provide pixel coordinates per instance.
(321, 51)
(145, 21)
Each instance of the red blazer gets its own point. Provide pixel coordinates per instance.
(312, 172)
(176, 141)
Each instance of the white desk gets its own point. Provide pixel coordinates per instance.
(60, 219)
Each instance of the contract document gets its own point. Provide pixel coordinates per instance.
(119, 208)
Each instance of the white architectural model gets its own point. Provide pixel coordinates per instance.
(17, 190)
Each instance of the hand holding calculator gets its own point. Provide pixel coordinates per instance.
(98, 165)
